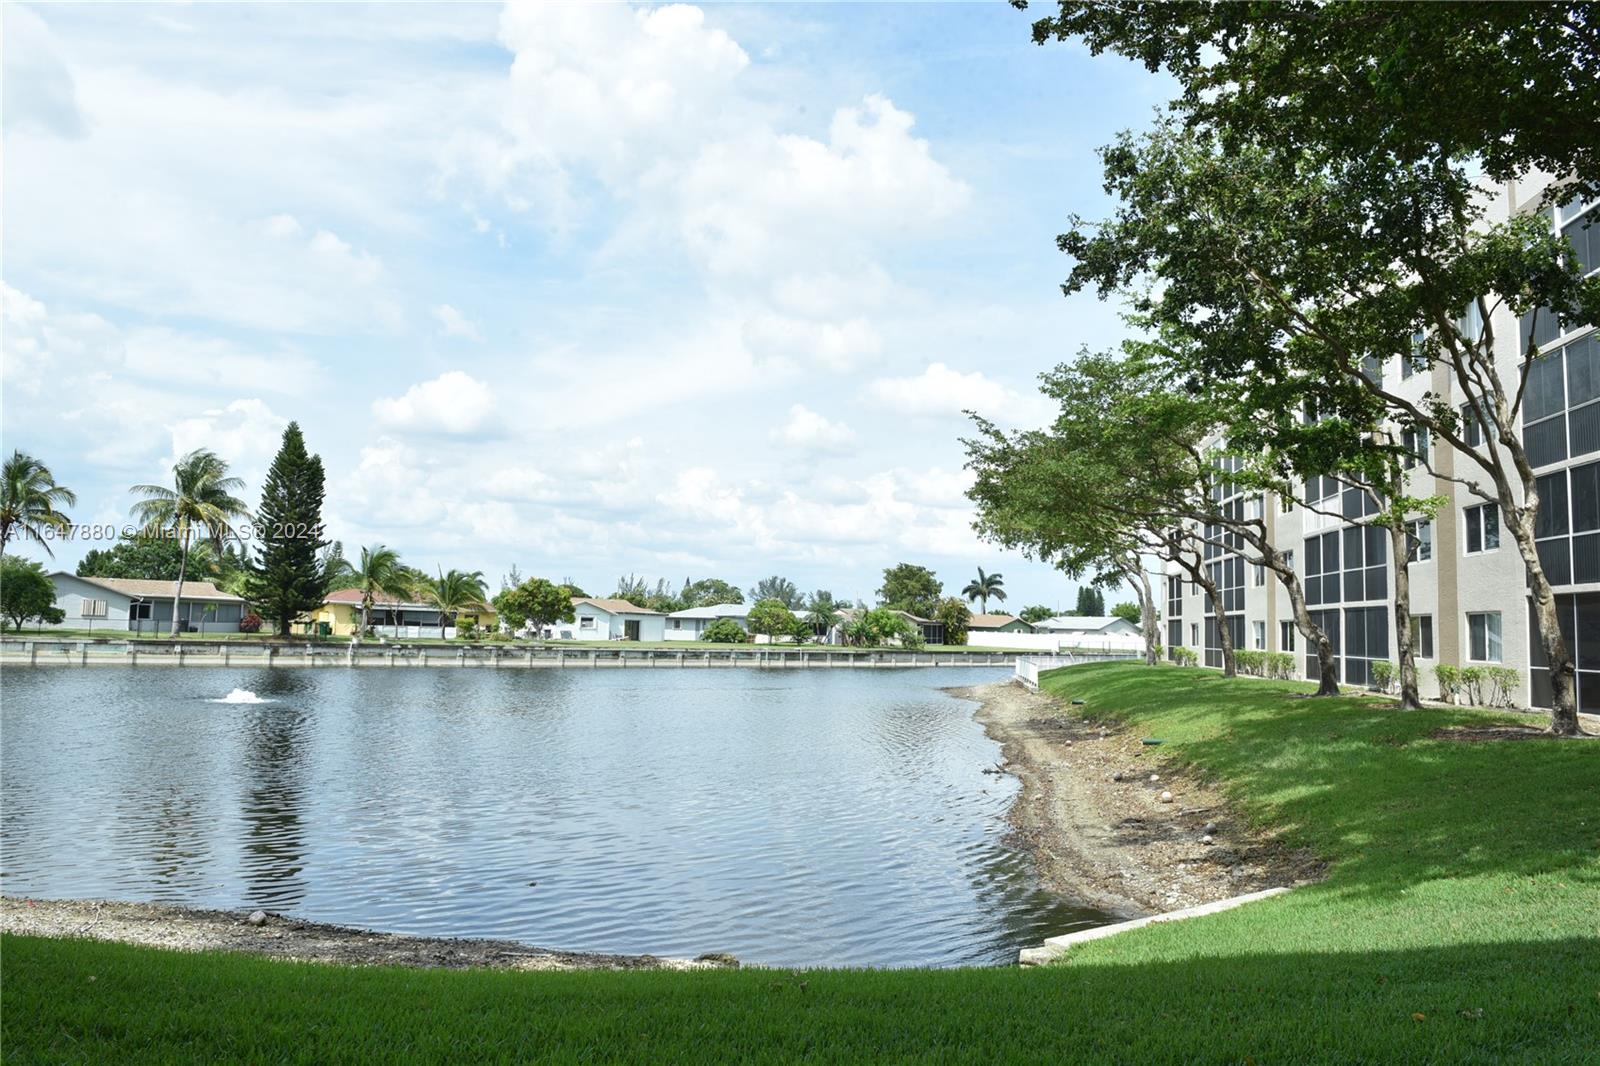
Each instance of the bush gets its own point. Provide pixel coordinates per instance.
(725, 631)
(1280, 665)
(1185, 657)
(1383, 675)
(1251, 663)
(1472, 685)
(466, 629)
(1450, 681)
(250, 623)
(1501, 684)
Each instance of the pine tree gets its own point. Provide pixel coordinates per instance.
(288, 577)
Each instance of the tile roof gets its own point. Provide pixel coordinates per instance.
(140, 588)
(993, 621)
(379, 599)
(611, 606)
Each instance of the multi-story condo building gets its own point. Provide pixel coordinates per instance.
(1469, 602)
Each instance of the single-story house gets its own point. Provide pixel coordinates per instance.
(933, 632)
(999, 623)
(1088, 626)
(389, 616)
(141, 606)
(689, 624)
(605, 619)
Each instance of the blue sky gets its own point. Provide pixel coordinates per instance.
(588, 290)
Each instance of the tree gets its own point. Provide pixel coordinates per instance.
(453, 592)
(709, 592)
(156, 558)
(536, 603)
(822, 612)
(984, 587)
(883, 625)
(771, 618)
(30, 502)
(1037, 613)
(288, 577)
(777, 588)
(200, 506)
(1128, 611)
(638, 591)
(911, 588)
(380, 570)
(1091, 602)
(724, 631)
(955, 616)
(27, 593)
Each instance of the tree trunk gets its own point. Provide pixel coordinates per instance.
(1147, 618)
(1563, 672)
(177, 592)
(1230, 667)
(1400, 548)
(1328, 679)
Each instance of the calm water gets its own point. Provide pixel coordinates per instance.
(804, 817)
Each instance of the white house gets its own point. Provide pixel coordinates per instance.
(1088, 626)
(603, 619)
(140, 606)
(689, 624)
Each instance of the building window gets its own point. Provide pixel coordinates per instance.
(1366, 640)
(1422, 636)
(139, 611)
(1419, 538)
(1483, 637)
(1286, 636)
(1260, 634)
(586, 622)
(1417, 360)
(1472, 425)
(1415, 443)
(1194, 633)
(677, 623)
(1258, 575)
(91, 608)
(1483, 528)
(1579, 616)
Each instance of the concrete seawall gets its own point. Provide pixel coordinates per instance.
(48, 652)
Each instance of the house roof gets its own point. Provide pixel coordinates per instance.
(142, 589)
(1081, 623)
(720, 610)
(379, 599)
(993, 621)
(611, 606)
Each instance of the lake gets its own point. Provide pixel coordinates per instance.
(800, 817)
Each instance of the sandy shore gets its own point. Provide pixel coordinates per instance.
(190, 929)
(1097, 826)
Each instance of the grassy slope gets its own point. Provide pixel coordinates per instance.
(1464, 878)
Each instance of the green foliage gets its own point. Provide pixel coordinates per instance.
(907, 587)
(1449, 680)
(379, 571)
(709, 592)
(1184, 656)
(1274, 664)
(250, 623)
(536, 603)
(985, 587)
(30, 502)
(1036, 613)
(466, 628)
(778, 588)
(724, 631)
(639, 592)
(160, 558)
(771, 618)
(200, 506)
(453, 592)
(27, 593)
(955, 616)
(288, 578)
(822, 611)
(1500, 686)
(883, 626)
(1091, 602)
(1129, 612)
(1384, 675)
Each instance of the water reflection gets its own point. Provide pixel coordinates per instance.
(791, 818)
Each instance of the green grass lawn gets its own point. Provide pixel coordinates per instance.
(1459, 922)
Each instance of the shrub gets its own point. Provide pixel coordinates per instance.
(1251, 663)
(1450, 681)
(250, 623)
(466, 629)
(1500, 686)
(1383, 675)
(496, 637)
(1472, 685)
(1280, 665)
(1185, 657)
(724, 631)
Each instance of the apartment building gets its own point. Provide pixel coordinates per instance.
(1469, 599)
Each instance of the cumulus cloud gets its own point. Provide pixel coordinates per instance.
(942, 391)
(245, 432)
(809, 431)
(454, 403)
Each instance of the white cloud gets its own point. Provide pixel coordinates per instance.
(39, 90)
(941, 391)
(835, 346)
(246, 433)
(454, 403)
(809, 431)
(455, 324)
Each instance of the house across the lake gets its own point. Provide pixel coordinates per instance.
(139, 606)
(605, 619)
(340, 616)
(689, 624)
(1088, 626)
(998, 623)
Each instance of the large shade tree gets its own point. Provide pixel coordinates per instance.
(31, 502)
(199, 507)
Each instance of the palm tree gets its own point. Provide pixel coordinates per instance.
(985, 586)
(454, 592)
(199, 506)
(28, 501)
(822, 612)
(380, 571)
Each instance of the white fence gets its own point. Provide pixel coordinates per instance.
(1055, 643)
(1029, 667)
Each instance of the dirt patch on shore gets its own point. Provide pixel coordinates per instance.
(1096, 823)
(188, 929)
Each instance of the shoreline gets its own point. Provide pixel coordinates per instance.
(1108, 841)
(172, 927)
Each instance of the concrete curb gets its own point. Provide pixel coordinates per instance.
(1057, 946)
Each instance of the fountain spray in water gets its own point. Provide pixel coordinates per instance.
(240, 695)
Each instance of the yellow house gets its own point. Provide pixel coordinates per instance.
(341, 614)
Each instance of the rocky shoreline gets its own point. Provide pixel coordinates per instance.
(1092, 812)
(275, 936)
